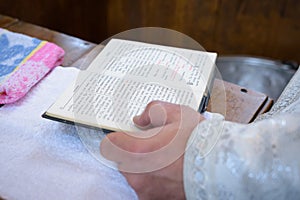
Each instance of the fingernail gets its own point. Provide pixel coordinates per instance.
(136, 118)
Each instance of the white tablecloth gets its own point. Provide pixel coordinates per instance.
(43, 159)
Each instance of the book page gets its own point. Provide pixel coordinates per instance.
(112, 102)
(124, 57)
(116, 88)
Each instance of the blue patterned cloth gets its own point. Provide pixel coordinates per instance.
(13, 50)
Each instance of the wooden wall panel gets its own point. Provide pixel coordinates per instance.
(85, 19)
(269, 28)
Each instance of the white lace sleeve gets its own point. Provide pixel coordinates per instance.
(257, 161)
(226, 160)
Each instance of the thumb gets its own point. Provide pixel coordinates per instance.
(158, 113)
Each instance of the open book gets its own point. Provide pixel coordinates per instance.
(126, 76)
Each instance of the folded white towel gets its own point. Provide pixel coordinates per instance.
(43, 159)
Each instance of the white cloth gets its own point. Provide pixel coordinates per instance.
(43, 159)
(226, 160)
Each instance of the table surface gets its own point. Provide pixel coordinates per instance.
(234, 102)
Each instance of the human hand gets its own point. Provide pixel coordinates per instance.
(152, 159)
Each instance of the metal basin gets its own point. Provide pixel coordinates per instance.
(263, 75)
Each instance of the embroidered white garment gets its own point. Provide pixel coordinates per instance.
(43, 159)
(226, 160)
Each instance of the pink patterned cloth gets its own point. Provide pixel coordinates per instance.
(24, 61)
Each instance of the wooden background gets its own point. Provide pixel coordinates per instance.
(268, 28)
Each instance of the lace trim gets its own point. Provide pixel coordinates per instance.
(248, 161)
